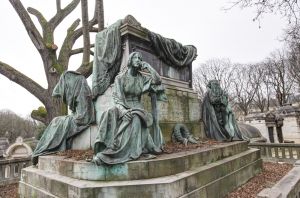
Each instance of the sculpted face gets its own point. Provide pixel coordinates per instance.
(214, 85)
(136, 61)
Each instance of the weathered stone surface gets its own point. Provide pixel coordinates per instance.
(143, 169)
(288, 186)
(183, 105)
(184, 109)
(202, 180)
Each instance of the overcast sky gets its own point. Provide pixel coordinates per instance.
(204, 24)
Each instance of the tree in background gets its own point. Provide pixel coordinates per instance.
(280, 78)
(251, 86)
(55, 58)
(13, 126)
(213, 69)
(289, 9)
(294, 59)
(262, 96)
(245, 87)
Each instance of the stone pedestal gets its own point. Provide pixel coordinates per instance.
(207, 173)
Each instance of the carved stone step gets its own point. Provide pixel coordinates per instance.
(226, 174)
(164, 165)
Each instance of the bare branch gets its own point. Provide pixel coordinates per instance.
(58, 5)
(61, 14)
(29, 25)
(99, 12)
(24, 81)
(39, 16)
(85, 32)
(65, 52)
(80, 50)
(78, 32)
(85, 70)
(289, 9)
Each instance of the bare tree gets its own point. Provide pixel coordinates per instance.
(214, 69)
(54, 62)
(294, 60)
(12, 126)
(261, 99)
(287, 8)
(243, 88)
(280, 79)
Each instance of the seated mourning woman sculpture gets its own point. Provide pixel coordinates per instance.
(123, 132)
(218, 119)
(73, 89)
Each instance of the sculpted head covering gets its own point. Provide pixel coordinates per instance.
(129, 63)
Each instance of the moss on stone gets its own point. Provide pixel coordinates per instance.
(59, 68)
(40, 112)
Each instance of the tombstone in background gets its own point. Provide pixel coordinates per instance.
(270, 123)
(19, 149)
(279, 124)
(274, 120)
(3, 146)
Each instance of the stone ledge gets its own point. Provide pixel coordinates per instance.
(288, 186)
(227, 183)
(221, 175)
(164, 165)
(27, 190)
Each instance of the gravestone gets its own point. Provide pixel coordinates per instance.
(3, 146)
(19, 149)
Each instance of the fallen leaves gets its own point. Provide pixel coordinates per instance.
(272, 173)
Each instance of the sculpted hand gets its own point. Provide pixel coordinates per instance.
(145, 66)
(127, 116)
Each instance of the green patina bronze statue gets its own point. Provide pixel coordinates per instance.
(182, 134)
(217, 116)
(123, 132)
(73, 89)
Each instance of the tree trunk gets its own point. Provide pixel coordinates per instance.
(44, 42)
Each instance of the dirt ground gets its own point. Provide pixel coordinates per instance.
(272, 173)
(9, 191)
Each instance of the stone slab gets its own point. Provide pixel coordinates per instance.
(165, 165)
(288, 186)
(224, 185)
(213, 175)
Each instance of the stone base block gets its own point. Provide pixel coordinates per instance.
(213, 179)
(165, 165)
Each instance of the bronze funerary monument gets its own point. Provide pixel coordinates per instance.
(142, 88)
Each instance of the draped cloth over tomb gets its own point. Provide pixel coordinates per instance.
(107, 58)
(172, 52)
(108, 55)
(74, 90)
